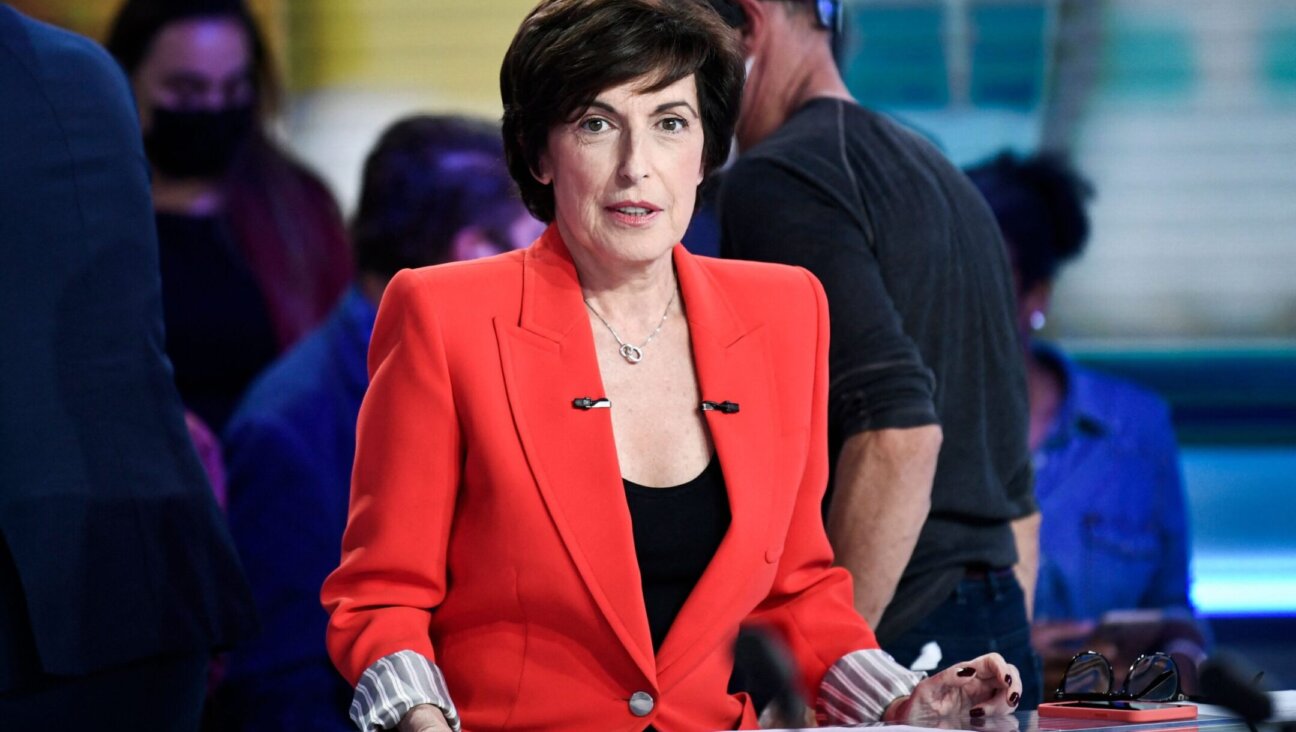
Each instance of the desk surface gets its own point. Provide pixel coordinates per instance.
(1033, 722)
(1211, 719)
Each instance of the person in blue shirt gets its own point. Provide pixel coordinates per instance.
(435, 189)
(1113, 536)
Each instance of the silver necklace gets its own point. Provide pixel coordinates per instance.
(629, 351)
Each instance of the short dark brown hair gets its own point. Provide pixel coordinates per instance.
(566, 52)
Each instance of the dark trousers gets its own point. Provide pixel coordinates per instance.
(157, 694)
(983, 614)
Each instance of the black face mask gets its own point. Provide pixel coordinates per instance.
(197, 144)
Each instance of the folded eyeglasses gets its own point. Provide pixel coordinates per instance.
(1152, 678)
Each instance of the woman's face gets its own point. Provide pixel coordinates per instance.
(202, 64)
(625, 171)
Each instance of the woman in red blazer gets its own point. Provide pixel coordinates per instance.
(582, 466)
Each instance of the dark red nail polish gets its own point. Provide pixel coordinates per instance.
(1013, 698)
(1008, 679)
(977, 712)
(966, 671)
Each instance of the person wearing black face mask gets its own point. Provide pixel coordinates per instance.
(253, 250)
(197, 143)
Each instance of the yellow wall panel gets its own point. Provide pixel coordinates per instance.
(449, 49)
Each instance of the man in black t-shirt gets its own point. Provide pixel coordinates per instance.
(932, 506)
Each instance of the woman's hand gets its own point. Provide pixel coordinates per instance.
(423, 718)
(986, 686)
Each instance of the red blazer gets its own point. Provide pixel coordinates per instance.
(489, 530)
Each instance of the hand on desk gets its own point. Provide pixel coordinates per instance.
(985, 686)
(423, 718)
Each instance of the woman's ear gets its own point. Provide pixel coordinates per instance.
(1038, 298)
(543, 172)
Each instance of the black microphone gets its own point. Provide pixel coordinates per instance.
(725, 407)
(588, 403)
(768, 672)
(1228, 681)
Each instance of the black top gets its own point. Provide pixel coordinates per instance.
(923, 327)
(676, 532)
(218, 330)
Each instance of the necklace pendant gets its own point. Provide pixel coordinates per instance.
(631, 353)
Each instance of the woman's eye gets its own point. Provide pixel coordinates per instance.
(674, 124)
(594, 124)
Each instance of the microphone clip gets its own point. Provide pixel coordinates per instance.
(586, 403)
(725, 407)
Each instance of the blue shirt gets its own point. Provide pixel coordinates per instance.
(1113, 532)
(289, 449)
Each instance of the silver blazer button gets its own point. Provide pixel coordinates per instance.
(641, 704)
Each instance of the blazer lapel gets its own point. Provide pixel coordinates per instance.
(732, 365)
(549, 360)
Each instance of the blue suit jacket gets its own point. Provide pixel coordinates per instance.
(111, 545)
(289, 450)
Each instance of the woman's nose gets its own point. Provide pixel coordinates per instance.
(634, 163)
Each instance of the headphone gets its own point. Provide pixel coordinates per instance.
(828, 15)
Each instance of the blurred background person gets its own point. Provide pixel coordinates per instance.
(253, 248)
(117, 577)
(930, 505)
(1114, 531)
(435, 190)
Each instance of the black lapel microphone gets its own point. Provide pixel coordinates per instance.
(725, 407)
(588, 403)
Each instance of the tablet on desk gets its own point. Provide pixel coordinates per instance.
(1120, 711)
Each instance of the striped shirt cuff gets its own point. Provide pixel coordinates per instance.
(395, 684)
(861, 685)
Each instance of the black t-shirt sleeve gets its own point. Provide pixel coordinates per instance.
(774, 213)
